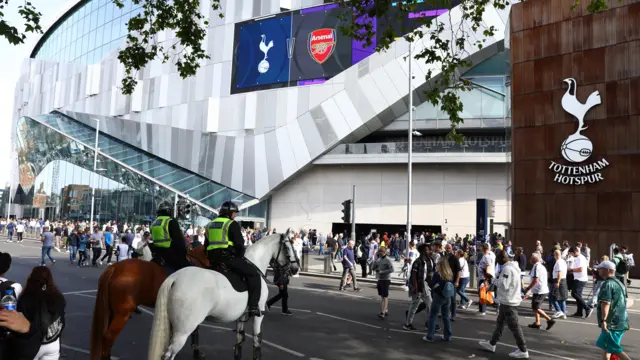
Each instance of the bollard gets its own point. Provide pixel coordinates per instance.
(473, 283)
(327, 263)
(305, 259)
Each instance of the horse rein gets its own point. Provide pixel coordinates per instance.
(286, 268)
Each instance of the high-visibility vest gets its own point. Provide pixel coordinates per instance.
(218, 234)
(160, 232)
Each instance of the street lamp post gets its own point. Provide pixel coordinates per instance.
(410, 151)
(95, 168)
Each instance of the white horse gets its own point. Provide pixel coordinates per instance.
(209, 293)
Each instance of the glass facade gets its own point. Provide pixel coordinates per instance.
(55, 174)
(89, 33)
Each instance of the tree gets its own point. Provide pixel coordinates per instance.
(31, 24)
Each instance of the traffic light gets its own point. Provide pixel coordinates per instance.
(346, 211)
(184, 210)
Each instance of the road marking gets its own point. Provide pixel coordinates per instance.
(349, 320)
(82, 350)
(78, 292)
(85, 295)
(576, 322)
(332, 292)
(298, 310)
(287, 350)
(474, 339)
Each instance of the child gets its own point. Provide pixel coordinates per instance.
(122, 251)
(82, 250)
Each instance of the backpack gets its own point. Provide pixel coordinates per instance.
(51, 324)
(622, 267)
(448, 290)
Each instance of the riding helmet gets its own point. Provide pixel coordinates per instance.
(227, 208)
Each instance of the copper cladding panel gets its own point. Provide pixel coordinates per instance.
(551, 42)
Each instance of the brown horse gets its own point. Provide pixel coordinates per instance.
(121, 288)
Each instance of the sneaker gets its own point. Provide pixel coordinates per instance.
(446, 339)
(427, 339)
(381, 315)
(482, 313)
(100, 262)
(487, 346)
(357, 289)
(589, 312)
(534, 326)
(468, 304)
(519, 354)
(557, 315)
(287, 313)
(577, 315)
(550, 324)
(563, 317)
(409, 327)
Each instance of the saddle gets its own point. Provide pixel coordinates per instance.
(238, 282)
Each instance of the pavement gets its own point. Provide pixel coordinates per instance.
(327, 324)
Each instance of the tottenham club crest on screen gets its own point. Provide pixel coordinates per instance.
(322, 43)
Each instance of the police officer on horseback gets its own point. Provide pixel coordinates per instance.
(168, 244)
(225, 245)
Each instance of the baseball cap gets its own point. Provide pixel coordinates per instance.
(606, 265)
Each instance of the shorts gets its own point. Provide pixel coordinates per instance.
(537, 300)
(383, 288)
(610, 341)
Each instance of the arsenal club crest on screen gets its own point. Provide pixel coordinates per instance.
(321, 44)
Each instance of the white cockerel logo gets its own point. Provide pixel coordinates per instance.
(577, 147)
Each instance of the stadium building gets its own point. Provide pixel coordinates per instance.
(286, 116)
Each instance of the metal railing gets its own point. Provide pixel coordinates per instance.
(435, 147)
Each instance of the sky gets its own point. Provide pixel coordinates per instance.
(10, 64)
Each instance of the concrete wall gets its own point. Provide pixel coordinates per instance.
(443, 195)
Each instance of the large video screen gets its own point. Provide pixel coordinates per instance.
(412, 20)
(320, 50)
(305, 47)
(261, 53)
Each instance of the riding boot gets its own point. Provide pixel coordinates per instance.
(254, 295)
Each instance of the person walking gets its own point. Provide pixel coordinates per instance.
(47, 243)
(559, 292)
(383, 269)
(281, 279)
(443, 290)
(20, 231)
(540, 289)
(465, 302)
(108, 244)
(509, 298)
(74, 244)
(613, 318)
(348, 266)
(96, 246)
(580, 277)
(422, 271)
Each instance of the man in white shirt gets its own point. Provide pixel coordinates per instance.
(559, 286)
(580, 277)
(20, 230)
(540, 289)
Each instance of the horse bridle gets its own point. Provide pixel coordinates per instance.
(295, 260)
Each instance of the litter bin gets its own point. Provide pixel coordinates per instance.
(327, 263)
(305, 259)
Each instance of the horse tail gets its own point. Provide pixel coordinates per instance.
(161, 326)
(101, 314)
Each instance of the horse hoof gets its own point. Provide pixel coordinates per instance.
(257, 353)
(198, 354)
(237, 352)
